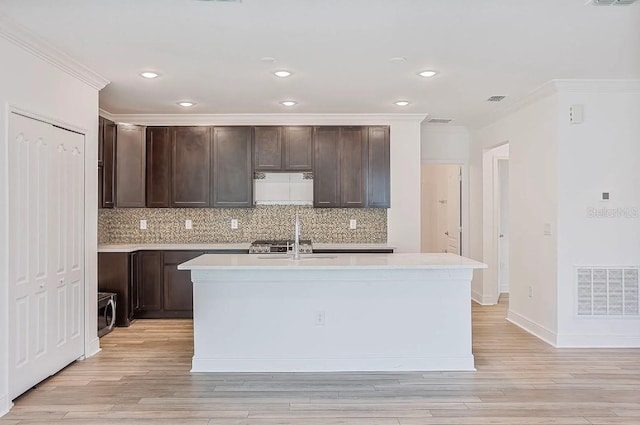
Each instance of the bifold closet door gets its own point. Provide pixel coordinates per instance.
(46, 256)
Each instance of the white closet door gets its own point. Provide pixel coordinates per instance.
(46, 257)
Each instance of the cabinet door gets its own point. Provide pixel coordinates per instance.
(326, 167)
(232, 177)
(109, 164)
(134, 276)
(190, 167)
(298, 148)
(178, 288)
(267, 148)
(379, 187)
(113, 276)
(150, 280)
(130, 166)
(158, 167)
(353, 167)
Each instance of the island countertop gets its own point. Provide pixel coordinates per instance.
(331, 261)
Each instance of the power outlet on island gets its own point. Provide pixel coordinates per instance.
(234, 223)
(353, 224)
(320, 318)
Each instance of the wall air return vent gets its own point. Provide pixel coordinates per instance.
(612, 2)
(440, 120)
(605, 291)
(496, 98)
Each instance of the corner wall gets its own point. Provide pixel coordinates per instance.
(600, 155)
(531, 132)
(35, 85)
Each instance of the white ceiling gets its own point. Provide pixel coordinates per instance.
(338, 50)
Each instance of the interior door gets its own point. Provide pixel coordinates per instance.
(453, 216)
(46, 260)
(503, 225)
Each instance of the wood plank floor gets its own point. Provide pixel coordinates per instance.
(142, 377)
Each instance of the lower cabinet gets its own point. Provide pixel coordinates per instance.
(117, 274)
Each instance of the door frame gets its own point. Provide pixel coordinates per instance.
(500, 219)
(464, 198)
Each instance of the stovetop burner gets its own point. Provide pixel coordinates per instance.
(264, 246)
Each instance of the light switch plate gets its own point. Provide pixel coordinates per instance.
(143, 224)
(188, 224)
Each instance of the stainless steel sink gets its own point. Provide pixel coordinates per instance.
(302, 256)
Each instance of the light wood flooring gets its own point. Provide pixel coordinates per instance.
(142, 377)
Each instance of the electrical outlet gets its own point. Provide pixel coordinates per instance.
(143, 224)
(320, 318)
(530, 291)
(234, 223)
(353, 224)
(188, 224)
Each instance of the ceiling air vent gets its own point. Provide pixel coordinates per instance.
(496, 98)
(440, 120)
(613, 2)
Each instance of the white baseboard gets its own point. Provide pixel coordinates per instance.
(5, 405)
(483, 300)
(452, 363)
(533, 328)
(598, 341)
(93, 347)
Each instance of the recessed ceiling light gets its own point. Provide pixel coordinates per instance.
(149, 74)
(289, 103)
(186, 104)
(282, 73)
(427, 73)
(401, 103)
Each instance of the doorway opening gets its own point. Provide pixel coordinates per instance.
(441, 205)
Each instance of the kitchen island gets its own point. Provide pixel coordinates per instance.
(377, 312)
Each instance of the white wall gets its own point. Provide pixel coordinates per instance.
(600, 155)
(30, 83)
(531, 132)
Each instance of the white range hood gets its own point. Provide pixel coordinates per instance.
(283, 189)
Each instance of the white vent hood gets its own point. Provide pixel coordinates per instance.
(282, 189)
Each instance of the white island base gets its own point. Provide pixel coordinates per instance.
(387, 312)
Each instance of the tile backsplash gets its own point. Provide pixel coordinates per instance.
(213, 225)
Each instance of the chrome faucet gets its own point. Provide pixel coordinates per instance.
(296, 243)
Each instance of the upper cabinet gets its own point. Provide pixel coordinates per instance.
(190, 174)
(351, 167)
(158, 167)
(283, 148)
(130, 166)
(107, 152)
(232, 183)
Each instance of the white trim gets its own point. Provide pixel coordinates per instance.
(373, 364)
(532, 327)
(597, 341)
(93, 347)
(106, 114)
(5, 405)
(262, 119)
(481, 299)
(46, 119)
(43, 50)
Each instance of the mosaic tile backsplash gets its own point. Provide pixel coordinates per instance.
(213, 225)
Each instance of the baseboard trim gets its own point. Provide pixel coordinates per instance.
(93, 347)
(533, 328)
(482, 300)
(598, 341)
(5, 405)
(426, 364)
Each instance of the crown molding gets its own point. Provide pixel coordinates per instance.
(263, 119)
(106, 114)
(33, 44)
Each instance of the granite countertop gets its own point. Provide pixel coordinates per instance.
(225, 246)
(328, 261)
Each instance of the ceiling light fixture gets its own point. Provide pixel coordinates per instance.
(427, 73)
(289, 103)
(186, 104)
(401, 103)
(148, 74)
(282, 74)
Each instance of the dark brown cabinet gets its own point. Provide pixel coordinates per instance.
(353, 167)
(232, 182)
(108, 152)
(378, 179)
(177, 285)
(283, 148)
(158, 167)
(116, 273)
(326, 167)
(130, 166)
(149, 281)
(190, 171)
